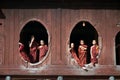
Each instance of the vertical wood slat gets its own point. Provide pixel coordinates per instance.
(11, 25)
(7, 31)
(53, 43)
(65, 26)
(56, 53)
(16, 37)
(1, 42)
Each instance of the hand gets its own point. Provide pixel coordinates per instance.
(83, 48)
(97, 57)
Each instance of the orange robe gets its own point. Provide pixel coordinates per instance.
(23, 53)
(82, 55)
(74, 55)
(42, 51)
(94, 53)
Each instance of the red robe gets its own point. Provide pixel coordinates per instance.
(94, 53)
(42, 51)
(33, 51)
(74, 55)
(23, 53)
(82, 55)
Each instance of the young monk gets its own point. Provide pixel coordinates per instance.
(33, 49)
(82, 50)
(23, 53)
(73, 53)
(94, 51)
(42, 49)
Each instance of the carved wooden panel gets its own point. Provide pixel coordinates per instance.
(59, 23)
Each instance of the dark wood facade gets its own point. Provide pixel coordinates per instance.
(59, 24)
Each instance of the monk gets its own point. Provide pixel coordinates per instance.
(23, 54)
(82, 53)
(33, 49)
(73, 53)
(94, 51)
(42, 49)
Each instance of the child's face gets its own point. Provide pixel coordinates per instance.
(81, 42)
(42, 42)
(94, 42)
(72, 45)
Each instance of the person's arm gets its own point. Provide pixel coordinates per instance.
(30, 44)
(46, 47)
(91, 51)
(21, 46)
(85, 48)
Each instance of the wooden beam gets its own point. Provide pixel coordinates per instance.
(86, 4)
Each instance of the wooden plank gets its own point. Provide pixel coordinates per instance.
(55, 43)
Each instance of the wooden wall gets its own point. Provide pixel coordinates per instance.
(59, 23)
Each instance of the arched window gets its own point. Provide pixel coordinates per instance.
(84, 31)
(33, 43)
(117, 44)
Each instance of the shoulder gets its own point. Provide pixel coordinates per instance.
(85, 45)
(40, 47)
(97, 46)
(45, 45)
(79, 45)
(92, 46)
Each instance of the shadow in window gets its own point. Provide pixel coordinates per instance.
(117, 44)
